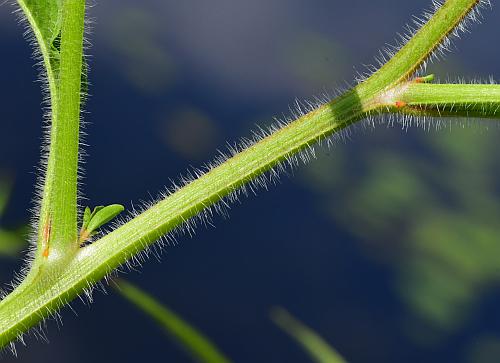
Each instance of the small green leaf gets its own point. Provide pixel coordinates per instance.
(102, 215)
(86, 218)
(97, 218)
(96, 209)
(425, 79)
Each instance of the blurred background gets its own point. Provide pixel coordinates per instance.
(387, 245)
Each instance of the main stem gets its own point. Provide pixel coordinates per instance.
(57, 233)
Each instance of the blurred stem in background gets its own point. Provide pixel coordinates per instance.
(319, 350)
(187, 337)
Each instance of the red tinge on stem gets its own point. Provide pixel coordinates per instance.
(47, 229)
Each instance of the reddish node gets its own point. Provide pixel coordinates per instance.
(400, 104)
(47, 229)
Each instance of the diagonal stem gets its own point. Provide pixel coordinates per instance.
(436, 31)
(97, 260)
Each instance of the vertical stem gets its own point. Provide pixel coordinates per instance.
(58, 223)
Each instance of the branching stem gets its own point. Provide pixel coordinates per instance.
(388, 90)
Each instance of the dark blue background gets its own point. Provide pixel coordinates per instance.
(229, 65)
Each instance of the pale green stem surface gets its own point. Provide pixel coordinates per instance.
(58, 216)
(467, 100)
(194, 342)
(50, 288)
(317, 348)
(43, 17)
(411, 56)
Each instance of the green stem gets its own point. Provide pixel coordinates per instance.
(466, 100)
(58, 216)
(51, 288)
(426, 40)
(95, 261)
(48, 289)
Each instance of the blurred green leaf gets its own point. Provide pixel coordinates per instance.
(485, 349)
(134, 40)
(315, 59)
(189, 132)
(430, 212)
(5, 191)
(318, 349)
(200, 348)
(12, 242)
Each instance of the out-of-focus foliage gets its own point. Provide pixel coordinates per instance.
(190, 133)
(134, 43)
(485, 349)
(430, 215)
(319, 350)
(297, 56)
(12, 242)
(5, 188)
(186, 336)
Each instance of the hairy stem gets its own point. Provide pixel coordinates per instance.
(466, 100)
(54, 286)
(426, 40)
(58, 217)
(95, 261)
(388, 90)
